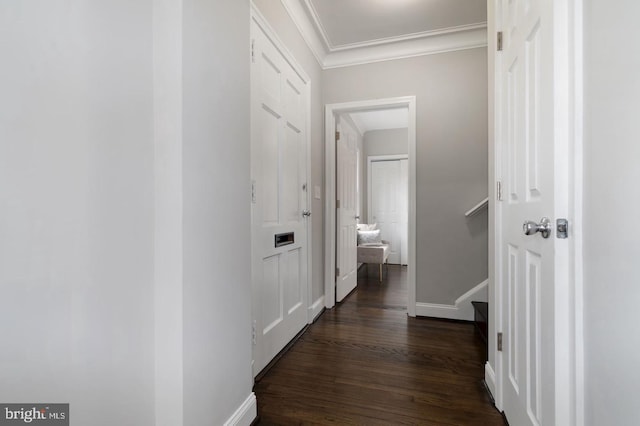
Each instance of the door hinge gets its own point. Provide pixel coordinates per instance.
(499, 342)
(253, 50)
(253, 332)
(253, 191)
(337, 272)
(337, 135)
(499, 190)
(499, 41)
(337, 204)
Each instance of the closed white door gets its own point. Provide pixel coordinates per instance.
(530, 192)
(346, 208)
(388, 206)
(279, 200)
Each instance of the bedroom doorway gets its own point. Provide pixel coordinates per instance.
(339, 232)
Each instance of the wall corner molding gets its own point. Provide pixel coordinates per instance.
(460, 310)
(412, 45)
(246, 413)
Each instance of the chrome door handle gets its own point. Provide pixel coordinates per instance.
(544, 227)
(306, 213)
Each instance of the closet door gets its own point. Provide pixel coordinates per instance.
(386, 206)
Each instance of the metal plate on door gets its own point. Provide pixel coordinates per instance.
(284, 239)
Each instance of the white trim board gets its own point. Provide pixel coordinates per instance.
(331, 110)
(418, 44)
(245, 414)
(461, 310)
(316, 309)
(490, 379)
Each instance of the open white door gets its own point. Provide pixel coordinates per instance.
(279, 199)
(346, 208)
(534, 187)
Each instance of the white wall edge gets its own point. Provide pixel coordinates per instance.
(490, 379)
(245, 414)
(461, 310)
(315, 309)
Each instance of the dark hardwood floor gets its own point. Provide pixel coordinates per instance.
(367, 363)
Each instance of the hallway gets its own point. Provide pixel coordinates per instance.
(365, 362)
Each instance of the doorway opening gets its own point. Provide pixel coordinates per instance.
(333, 112)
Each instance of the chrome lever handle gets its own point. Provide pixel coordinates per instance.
(306, 213)
(544, 227)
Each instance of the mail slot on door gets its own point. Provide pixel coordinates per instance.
(284, 239)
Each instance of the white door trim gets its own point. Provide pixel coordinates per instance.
(569, 357)
(331, 110)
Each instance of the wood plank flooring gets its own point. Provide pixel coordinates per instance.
(367, 363)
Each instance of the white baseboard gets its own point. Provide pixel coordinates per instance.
(245, 414)
(315, 309)
(490, 379)
(461, 310)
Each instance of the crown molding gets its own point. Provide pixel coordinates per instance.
(408, 37)
(387, 49)
(442, 43)
(307, 29)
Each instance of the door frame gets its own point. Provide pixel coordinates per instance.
(372, 159)
(331, 111)
(568, 127)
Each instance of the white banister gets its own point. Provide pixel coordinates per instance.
(476, 209)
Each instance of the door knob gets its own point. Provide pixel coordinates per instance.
(357, 217)
(544, 227)
(306, 213)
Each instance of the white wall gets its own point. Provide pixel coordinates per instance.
(612, 203)
(124, 209)
(451, 94)
(76, 208)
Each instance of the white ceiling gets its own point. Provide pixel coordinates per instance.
(350, 32)
(348, 22)
(397, 118)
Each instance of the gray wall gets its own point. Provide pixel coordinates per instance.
(381, 142)
(76, 227)
(97, 153)
(451, 91)
(281, 23)
(611, 196)
(217, 240)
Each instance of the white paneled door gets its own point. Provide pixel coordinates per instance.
(346, 208)
(279, 199)
(388, 206)
(530, 191)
